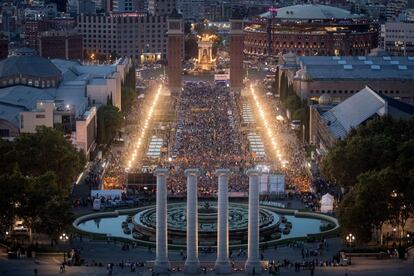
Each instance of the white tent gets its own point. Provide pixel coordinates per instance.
(327, 202)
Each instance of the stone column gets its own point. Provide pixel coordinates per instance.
(161, 264)
(222, 265)
(253, 258)
(192, 264)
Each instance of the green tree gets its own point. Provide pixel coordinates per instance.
(375, 163)
(354, 219)
(128, 91)
(293, 103)
(37, 193)
(7, 157)
(48, 150)
(283, 91)
(56, 217)
(356, 155)
(11, 198)
(109, 121)
(276, 83)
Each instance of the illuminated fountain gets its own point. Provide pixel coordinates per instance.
(205, 61)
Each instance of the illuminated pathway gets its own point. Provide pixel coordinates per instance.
(282, 143)
(144, 129)
(270, 134)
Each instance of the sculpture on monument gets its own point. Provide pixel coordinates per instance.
(205, 61)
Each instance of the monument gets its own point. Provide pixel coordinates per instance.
(192, 263)
(205, 61)
(175, 44)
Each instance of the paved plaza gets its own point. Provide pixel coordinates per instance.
(113, 253)
(93, 251)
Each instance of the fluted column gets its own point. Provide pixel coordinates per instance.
(161, 264)
(253, 258)
(192, 264)
(222, 265)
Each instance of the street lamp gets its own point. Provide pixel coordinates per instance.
(350, 239)
(64, 238)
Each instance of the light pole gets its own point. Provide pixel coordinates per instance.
(64, 238)
(350, 238)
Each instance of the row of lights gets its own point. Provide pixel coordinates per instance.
(269, 131)
(140, 140)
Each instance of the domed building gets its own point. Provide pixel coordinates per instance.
(310, 29)
(36, 91)
(34, 71)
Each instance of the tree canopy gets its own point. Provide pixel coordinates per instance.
(109, 121)
(376, 164)
(381, 143)
(37, 170)
(128, 93)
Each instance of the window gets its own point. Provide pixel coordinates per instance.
(40, 116)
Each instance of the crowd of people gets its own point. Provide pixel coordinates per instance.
(293, 152)
(208, 138)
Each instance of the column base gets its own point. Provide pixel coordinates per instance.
(253, 267)
(161, 266)
(192, 267)
(222, 267)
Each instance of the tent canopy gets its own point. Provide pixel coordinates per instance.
(327, 202)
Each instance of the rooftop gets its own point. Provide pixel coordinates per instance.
(360, 107)
(363, 67)
(310, 11)
(34, 66)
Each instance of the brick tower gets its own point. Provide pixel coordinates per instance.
(175, 51)
(236, 51)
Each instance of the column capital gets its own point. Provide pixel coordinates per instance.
(252, 172)
(222, 172)
(161, 171)
(193, 172)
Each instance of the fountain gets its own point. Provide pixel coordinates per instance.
(274, 223)
(205, 62)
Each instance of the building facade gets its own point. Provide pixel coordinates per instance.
(395, 7)
(398, 38)
(310, 30)
(32, 31)
(127, 5)
(342, 77)
(35, 91)
(61, 44)
(192, 10)
(161, 7)
(126, 34)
